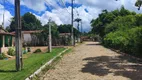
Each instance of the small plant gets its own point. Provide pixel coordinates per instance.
(38, 51)
(11, 51)
(2, 56)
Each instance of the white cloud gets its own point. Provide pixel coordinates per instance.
(108, 4)
(12, 1)
(45, 17)
(38, 5)
(130, 5)
(61, 16)
(7, 16)
(1, 6)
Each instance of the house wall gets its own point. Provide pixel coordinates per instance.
(27, 38)
(30, 39)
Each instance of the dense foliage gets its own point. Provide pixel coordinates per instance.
(2, 56)
(29, 22)
(106, 18)
(66, 28)
(11, 51)
(120, 29)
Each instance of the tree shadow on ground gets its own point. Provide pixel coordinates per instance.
(118, 65)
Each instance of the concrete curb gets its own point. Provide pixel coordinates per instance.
(44, 66)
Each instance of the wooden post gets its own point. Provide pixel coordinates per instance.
(18, 35)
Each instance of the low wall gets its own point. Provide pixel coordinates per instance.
(4, 49)
(43, 49)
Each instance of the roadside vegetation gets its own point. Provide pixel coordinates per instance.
(120, 29)
(31, 63)
(31, 23)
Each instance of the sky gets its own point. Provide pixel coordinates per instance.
(60, 10)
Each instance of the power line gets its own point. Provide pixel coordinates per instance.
(65, 6)
(49, 4)
(76, 10)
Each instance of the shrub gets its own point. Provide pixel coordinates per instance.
(129, 41)
(117, 40)
(2, 56)
(38, 51)
(121, 23)
(136, 40)
(11, 51)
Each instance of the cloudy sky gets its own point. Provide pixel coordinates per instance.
(59, 10)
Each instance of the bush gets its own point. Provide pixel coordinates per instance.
(38, 51)
(121, 23)
(117, 40)
(129, 41)
(2, 56)
(136, 40)
(11, 51)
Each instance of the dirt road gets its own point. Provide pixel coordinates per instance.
(91, 61)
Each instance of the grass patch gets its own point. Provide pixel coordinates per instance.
(31, 64)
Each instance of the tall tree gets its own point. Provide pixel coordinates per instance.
(66, 28)
(106, 18)
(29, 22)
(138, 4)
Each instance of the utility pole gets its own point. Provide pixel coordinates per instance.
(49, 37)
(18, 42)
(81, 27)
(81, 32)
(3, 14)
(72, 32)
(78, 31)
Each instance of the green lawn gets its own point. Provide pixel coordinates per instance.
(31, 64)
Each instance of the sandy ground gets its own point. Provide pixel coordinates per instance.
(91, 61)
